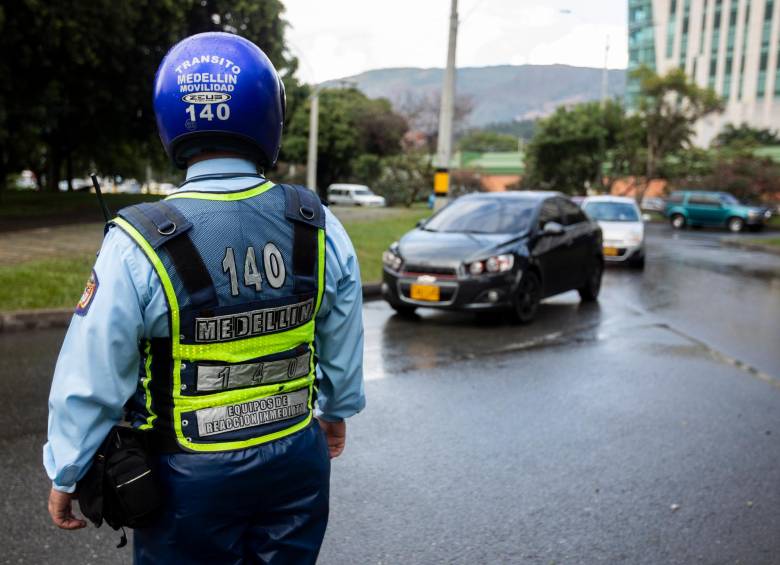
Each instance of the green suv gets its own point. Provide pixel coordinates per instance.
(705, 208)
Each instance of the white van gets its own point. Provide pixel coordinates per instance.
(353, 195)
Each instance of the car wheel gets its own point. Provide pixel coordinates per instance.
(637, 263)
(404, 310)
(528, 296)
(590, 292)
(735, 224)
(677, 221)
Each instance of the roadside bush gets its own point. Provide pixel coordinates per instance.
(737, 171)
(404, 179)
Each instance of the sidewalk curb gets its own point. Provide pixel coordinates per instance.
(20, 320)
(775, 250)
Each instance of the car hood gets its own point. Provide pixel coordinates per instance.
(451, 248)
(621, 230)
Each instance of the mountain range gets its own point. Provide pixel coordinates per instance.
(501, 93)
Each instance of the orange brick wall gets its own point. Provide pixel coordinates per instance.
(628, 187)
(498, 183)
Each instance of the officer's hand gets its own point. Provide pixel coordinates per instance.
(336, 434)
(61, 511)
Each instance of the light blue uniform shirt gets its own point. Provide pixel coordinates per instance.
(97, 370)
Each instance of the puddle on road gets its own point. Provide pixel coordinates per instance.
(396, 345)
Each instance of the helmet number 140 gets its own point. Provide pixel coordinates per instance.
(223, 112)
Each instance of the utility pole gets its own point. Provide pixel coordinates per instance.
(441, 182)
(314, 119)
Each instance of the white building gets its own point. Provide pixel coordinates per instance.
(732, 46)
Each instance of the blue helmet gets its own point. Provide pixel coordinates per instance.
(219, 92)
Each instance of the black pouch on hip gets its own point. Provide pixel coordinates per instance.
(120, 486)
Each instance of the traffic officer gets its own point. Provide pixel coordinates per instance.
(225, 321)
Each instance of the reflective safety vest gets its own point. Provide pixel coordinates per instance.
(243, 275)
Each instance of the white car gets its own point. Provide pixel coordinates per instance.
(353, 195)
(622, 226)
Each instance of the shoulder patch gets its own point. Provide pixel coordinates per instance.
(89, 294)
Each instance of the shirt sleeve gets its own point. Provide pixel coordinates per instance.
(339, 328)
(97, 369)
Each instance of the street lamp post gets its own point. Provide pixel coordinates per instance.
(314, 120)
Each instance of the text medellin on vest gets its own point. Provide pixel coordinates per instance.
(254, 323)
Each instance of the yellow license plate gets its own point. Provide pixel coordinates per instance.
(425, 292)
(611, 251)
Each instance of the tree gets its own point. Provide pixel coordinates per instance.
(669, 106)
(745, 136)
(570, 148)
(366, 169)
(483, 141)
(422, 113)
(80, 80)
(626, 156)
(404, 178)
(350, 125)
(744, 175)
(523, 129)
(731, 169)
(78, 88)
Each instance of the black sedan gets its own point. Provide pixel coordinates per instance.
(489, 251)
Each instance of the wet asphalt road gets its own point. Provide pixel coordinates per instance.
(567, 441)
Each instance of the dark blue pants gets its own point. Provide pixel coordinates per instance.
(266, 504)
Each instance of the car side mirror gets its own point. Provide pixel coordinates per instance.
(421, 223)
(552, 228)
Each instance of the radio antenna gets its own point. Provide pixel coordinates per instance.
(99, 193)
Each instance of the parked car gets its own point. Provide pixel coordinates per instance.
(622, 228)
(653, 204)
(487, 251)
(706, 208)
(78, 184)
(353, 195)
(26, 181)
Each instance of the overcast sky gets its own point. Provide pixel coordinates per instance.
(338, 38)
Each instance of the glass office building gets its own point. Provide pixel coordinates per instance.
(732, 46)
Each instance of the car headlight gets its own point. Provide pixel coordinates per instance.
(494, 264)
(768, 214)
(477, 268)
(391, 259)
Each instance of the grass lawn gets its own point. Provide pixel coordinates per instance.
(773, 241)
(54, 283)
(29, 204)
(656, 217)
(58, 283)
(371, 238)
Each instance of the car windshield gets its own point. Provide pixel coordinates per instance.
(729, 199)
(612, 211)
(484, 215)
